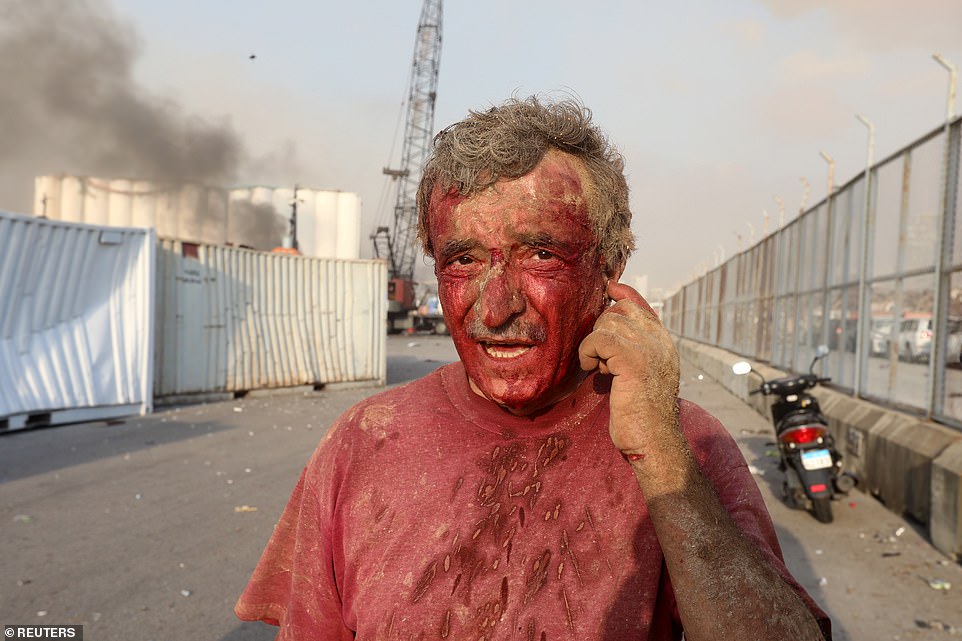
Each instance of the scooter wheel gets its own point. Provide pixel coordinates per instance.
(822, 509)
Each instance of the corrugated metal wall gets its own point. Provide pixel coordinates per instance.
(75, 321)
(232, 320)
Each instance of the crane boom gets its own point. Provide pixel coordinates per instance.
(400, 247)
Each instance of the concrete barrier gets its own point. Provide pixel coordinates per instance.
(947, 500)
(912, 466)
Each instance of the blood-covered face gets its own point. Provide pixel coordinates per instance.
(521, 282)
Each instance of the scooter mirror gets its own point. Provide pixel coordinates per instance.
(741, 368)
(821, 351)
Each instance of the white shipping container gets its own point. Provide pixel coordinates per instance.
(232, 320)
(76, 324)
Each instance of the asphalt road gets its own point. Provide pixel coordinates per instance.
(148, 529)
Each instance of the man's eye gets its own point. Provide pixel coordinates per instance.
(463, 260)
(544, 254)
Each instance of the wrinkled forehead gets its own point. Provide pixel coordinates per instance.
(558, 182)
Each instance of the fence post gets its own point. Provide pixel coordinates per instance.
(944, 239)
(945, 236)
(864, 296)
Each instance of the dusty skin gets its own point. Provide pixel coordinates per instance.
(520, 282)
(630, 343)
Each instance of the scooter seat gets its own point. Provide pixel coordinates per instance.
(800, 418)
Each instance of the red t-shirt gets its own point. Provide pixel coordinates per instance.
(428, 512)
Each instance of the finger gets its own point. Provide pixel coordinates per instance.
(589, 352)
(595, 351)
(588, 361)
(620, 291)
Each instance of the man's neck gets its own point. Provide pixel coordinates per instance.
(558, 393)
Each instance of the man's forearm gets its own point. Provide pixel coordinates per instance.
(724, 587)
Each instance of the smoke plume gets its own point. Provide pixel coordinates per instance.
(256, 225)
(69, 103)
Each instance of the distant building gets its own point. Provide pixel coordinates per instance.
(259, 217)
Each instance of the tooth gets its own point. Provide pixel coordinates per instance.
(498, 353)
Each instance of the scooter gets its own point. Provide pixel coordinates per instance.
(807, 453)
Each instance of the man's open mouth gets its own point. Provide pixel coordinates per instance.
(505, 350)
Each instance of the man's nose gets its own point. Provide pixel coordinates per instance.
(501, 297)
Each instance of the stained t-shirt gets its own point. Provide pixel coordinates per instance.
(427, 512)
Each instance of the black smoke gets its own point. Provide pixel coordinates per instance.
(69, 103)
(257, 226)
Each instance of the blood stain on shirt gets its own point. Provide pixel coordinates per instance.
(424, 582)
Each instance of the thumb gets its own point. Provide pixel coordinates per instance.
(620, 291)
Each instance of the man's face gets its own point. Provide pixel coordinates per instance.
(520, 281)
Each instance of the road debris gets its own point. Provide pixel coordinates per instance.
(939, 584)
(754, 470)
(935, 624)
(185, 593)
(244, 508)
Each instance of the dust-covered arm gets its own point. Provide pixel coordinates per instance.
(724, 586)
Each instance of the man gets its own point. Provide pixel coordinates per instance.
(550, 485)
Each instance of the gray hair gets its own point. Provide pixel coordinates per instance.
(508, 141)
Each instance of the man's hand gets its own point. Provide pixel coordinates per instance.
(631, 344)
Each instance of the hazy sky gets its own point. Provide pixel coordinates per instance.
(717, 106)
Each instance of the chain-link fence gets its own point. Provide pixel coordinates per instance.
(874, 271)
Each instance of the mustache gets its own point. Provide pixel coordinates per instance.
(515, 330)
